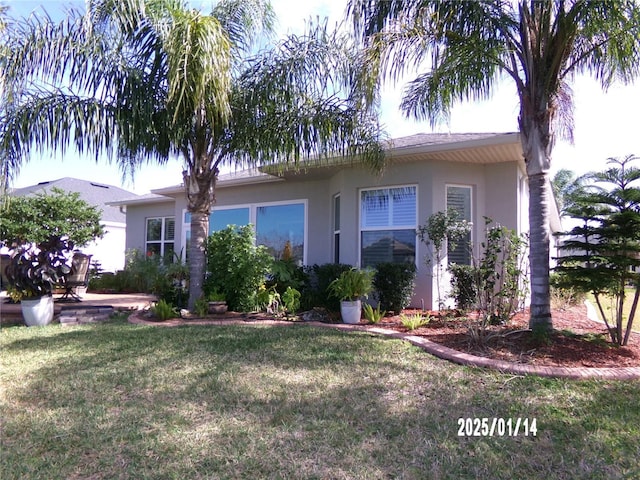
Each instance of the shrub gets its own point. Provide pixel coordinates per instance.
(236, 266)
(66, 215)
(394, 284)
(463, 286)
(291, 300)
(319, 277)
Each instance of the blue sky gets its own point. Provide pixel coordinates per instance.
(605, 122)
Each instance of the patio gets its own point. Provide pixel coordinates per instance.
(91, 302)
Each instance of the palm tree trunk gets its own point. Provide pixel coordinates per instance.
(539, 251)
(197, 258)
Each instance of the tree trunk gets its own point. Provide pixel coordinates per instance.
(540, 317)
(199, 189)
(197, 258)
(537, 144)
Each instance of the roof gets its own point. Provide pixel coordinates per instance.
(489, 147)
(424, 139)
(94, 193)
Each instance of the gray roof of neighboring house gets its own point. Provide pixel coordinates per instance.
(94, 193)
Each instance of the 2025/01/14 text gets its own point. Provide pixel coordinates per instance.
(497, 427)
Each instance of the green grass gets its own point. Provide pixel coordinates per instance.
(609, 307)
(251, 402)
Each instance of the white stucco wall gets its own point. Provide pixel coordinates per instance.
(109, 250)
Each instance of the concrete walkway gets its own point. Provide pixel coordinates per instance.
(440, 351)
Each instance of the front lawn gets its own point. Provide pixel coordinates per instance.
(252, 402)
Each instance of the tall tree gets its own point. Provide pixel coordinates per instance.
(144, 80)
(468, 47)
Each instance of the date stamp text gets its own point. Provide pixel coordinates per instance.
(497, 427)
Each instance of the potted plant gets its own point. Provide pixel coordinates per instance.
(32, 272)
(350, 287)
(217, 302)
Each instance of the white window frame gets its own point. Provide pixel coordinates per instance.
(253, 209)
(413, 227)
(471, 210)
(162, 242)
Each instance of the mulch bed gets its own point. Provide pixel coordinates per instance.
(576, 340)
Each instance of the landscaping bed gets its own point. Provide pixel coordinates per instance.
(576, 340)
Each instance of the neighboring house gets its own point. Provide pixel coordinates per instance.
(341, 212)
(110, 250)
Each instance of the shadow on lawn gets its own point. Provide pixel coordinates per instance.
(301, 402)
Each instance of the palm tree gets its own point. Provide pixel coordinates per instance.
(145, 80)
(470, 46)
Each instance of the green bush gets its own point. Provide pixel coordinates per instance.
(316, 293)
(291, 300)
(286, 273)
(463, 285)
(236, 267)
(394, 284)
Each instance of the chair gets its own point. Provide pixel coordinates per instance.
(78, 277)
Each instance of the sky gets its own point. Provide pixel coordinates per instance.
(606, 123)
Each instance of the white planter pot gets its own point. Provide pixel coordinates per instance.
(38, 311)
(351, 311)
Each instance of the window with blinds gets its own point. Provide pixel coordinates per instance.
(459, 199)
(388, 225)
(160, 237)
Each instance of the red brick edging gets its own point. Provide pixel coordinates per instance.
(440, 351)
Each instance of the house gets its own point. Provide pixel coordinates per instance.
(342, 212)
(110, 250)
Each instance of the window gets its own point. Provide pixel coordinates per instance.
(222, 218)
(160, 236)
(336, 229)
(459, 199)
(388, 226)
(281, 229)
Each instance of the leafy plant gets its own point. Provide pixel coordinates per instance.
(373, 315)
(500, 274)
(216, 296)
(268, 299)
(463, 286)
(291, 300)
(414, 321)
(286, 273)
(66, 214)
(236, 266)
(33, 270)
(316, 291)
(201, 307)
(352, 284)
(394, 284)
(163, 310)
(442, 227)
